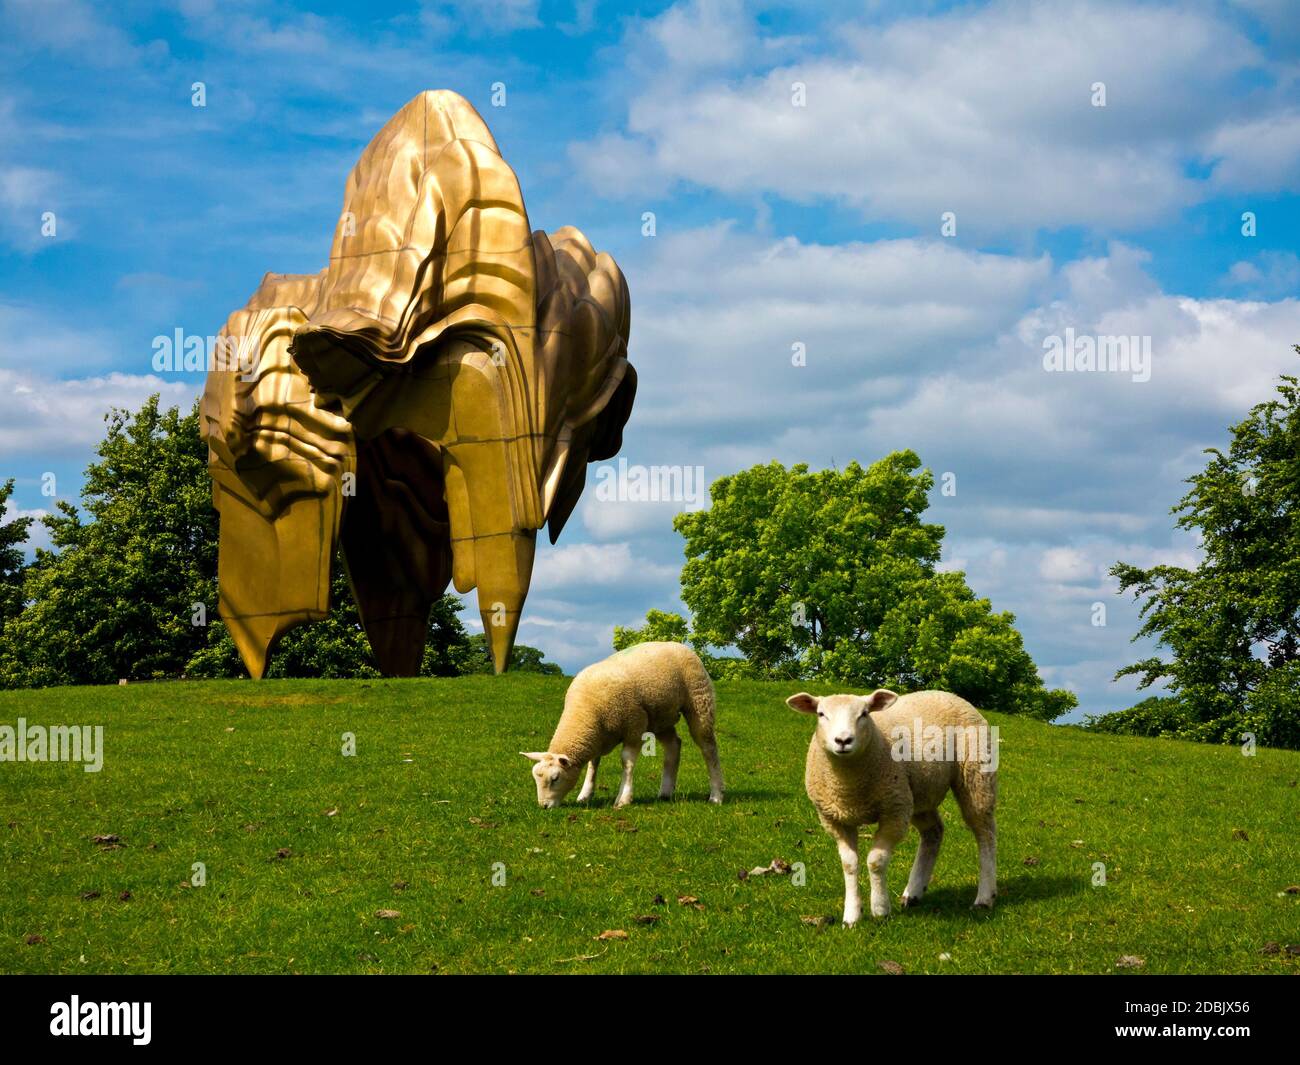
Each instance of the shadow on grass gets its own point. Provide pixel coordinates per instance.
(682, 798)
(1024, 887)
(736, 795)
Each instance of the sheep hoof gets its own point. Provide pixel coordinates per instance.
(908, 901)
(977, 905)
(716, 800)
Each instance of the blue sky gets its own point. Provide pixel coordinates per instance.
(775, 225)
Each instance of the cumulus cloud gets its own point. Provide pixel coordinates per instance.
(1270, 275)
(37, 534)
(730, 316)
(987, 112)
(47, 418)
(583, 566)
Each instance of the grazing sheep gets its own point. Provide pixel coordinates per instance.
(863, 768)
(645, 688)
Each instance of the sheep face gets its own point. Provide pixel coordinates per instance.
(554, 775)
(844, 724)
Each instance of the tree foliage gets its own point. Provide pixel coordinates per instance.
(833, 574)
(1231, 624)
(13, 534)
(114, 596)
(659, 625)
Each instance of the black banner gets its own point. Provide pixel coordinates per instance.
(170, 1014)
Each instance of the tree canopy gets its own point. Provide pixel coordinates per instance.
(833, 574)
(13, 534)
(1231, 625)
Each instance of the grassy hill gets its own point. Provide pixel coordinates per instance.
(303, 847)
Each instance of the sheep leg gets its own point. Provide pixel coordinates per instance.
(888, 833)
(710, 750)
(846, 841)
(630, 752)
(589, 784)
(977, 797)
(672, 744)
(930, 825)
(986, 837)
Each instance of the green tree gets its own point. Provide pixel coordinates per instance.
(114, 597)
(832, 574)
(659, 625)
(1231, 624)
(523, 659)
(13, 534)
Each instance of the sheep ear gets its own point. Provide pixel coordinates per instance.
(803, 702)
(564, 761)
(534, 756)
(880, 699)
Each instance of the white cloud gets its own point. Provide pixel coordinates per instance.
(1272, 274)
(614, 519)
(701, 34)
(42, 417)
(1066, 565)
(580, 566)
(725, 311)
(37, 534)
(984, 111)
(1257, 155)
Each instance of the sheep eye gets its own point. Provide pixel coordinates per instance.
(820, 714)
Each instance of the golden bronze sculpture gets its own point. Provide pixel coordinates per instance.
(430, 399)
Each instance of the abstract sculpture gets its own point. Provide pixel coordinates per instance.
(430, 399)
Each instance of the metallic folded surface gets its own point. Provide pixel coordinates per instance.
(430, 399)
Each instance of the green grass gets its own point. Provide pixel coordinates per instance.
(233, 773)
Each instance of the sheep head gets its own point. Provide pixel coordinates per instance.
(844, 724)
(554, 774)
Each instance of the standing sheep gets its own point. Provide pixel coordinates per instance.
(863, 768)
(645, 688)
